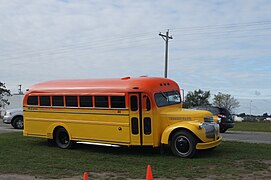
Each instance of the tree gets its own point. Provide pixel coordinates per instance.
(265, 115)
(242, 115)
(226, 101)
(197, 98)
(3, 93)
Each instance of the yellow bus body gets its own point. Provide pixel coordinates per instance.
(144, 125)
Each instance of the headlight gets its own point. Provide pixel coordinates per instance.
(200, 125)
(219, 120)
(7, 113)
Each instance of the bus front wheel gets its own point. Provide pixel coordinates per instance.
(62, 138)
(183, 144)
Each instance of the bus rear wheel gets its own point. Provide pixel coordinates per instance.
(183, 144)
(62, 138)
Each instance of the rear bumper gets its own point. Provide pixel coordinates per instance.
(227, 125)
(209, 145)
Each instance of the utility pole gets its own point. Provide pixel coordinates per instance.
(20, 89)
(250, 108)
(166, 38)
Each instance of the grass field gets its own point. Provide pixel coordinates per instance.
(252, 126)
(24, 155)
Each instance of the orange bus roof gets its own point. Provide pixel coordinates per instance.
(117, 85)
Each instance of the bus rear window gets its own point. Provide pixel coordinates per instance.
(32, 100)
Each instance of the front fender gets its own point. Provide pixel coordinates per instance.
(190, 126)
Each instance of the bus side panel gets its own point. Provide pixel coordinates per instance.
(110, 126)
(35, 125)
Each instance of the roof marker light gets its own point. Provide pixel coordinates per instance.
(126, 78)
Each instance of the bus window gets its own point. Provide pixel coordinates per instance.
(117, 101)
(167, 98)
(134, 103)
(147, 125)
(71, 101)
(32, 100)
(134, 125)
(45, 101)
(101, 101)
(85, 101)
(57, 101)
(148, 103)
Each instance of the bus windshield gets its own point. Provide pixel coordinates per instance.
(167, 98)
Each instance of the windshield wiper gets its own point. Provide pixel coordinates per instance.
(177, 92)
(164, 96)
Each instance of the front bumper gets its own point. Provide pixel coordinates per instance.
(7, 119)
(209, 145)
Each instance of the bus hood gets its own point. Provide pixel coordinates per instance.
(184, 114)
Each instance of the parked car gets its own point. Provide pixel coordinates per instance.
(224, 116)
(14, 117)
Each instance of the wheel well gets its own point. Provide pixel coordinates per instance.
(16, 117)
(182, 129)
(55, 130)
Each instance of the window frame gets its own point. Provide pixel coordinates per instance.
(123, 102)
(80, 101)
(71, 106)
(63, 101)
(32, 97)
(50, 101)
(99, 96)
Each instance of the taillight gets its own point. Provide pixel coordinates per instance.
(221, 115)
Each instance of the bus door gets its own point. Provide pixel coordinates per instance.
(140, 119)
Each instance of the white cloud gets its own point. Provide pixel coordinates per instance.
(42, 40)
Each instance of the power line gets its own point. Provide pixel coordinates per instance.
(140, 37)
(115, 39)
(219, 26)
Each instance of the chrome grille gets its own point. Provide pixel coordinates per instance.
(211, 130)
(208, 119)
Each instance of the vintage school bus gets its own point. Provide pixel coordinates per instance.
(144, 111)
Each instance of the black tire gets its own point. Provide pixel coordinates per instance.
(222, 130)
(62, 139)
(183, 144)
(18, 122)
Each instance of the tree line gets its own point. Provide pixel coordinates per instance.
(4, 92)
(201, 98)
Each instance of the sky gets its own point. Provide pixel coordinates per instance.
(217, 46)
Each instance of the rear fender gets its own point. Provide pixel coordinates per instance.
(50, 130)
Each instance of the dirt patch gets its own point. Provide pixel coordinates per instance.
(27, 177)
(260, 174)
(91, 176)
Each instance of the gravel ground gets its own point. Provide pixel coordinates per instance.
(249, 137)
